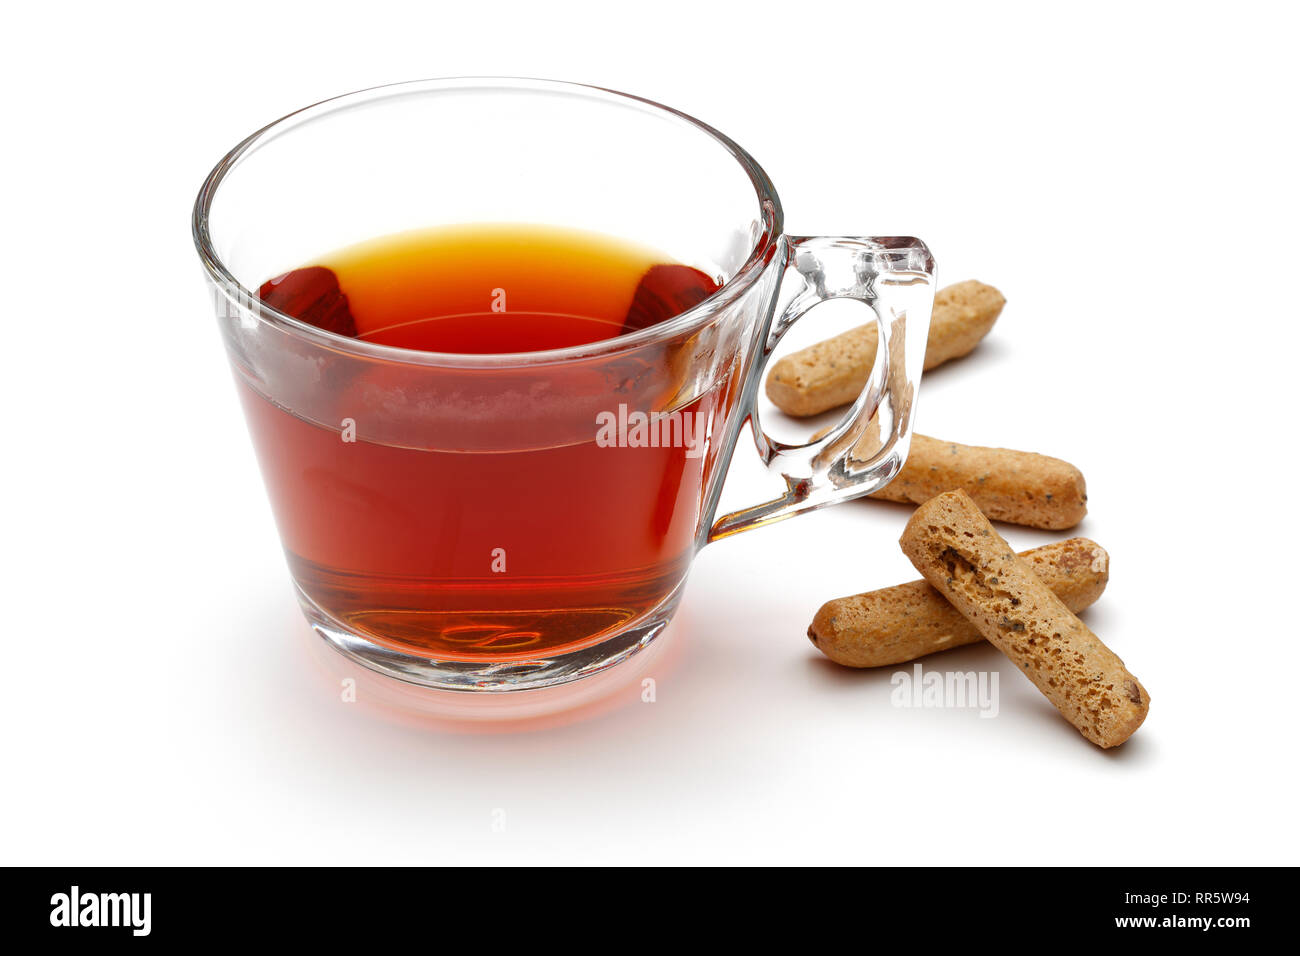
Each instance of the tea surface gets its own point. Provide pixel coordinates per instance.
(489, 289)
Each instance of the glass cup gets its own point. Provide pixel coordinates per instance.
(509, 521)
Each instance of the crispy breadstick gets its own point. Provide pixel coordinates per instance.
(1015, 486)
(902, 623)
(1019, 487)
(956, 549)
(835, 371)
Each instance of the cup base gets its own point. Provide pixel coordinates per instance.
(498, 677)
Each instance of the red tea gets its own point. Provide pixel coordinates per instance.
(490, 536)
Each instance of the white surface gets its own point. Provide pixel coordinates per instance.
(1125, 173)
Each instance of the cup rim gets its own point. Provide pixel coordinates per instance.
(770, 215)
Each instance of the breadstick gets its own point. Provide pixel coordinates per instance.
(902, 623)
(1019, 487)
(956, 549)
(835, 371)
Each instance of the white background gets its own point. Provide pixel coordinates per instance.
(1125, 173)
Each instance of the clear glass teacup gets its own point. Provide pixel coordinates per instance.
(509, 520)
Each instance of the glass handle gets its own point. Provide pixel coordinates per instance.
(867, 447)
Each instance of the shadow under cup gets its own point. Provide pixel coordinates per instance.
(458, 520)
